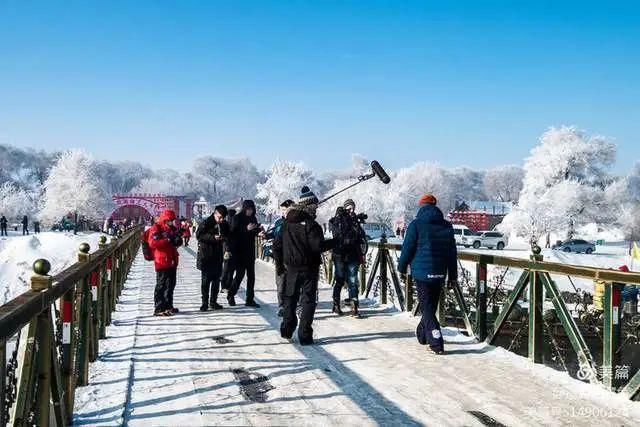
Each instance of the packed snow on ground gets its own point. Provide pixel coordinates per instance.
(17, 254)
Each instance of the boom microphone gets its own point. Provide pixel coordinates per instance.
(379, 171)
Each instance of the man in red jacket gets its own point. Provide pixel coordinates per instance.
(164, 240)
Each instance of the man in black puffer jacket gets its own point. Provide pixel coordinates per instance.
(212, 236)
(244, 229)
(297, 252)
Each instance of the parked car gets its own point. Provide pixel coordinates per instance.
(575, 245)
(464, 236)
(491, 239)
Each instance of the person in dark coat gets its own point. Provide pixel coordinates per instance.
(244, 229)
(164, 240)
(297, 252)
(347, 254)
(3, 226)
(227, 265)
(212, 235)
(36, 227)
(430, 248)
(271, 234)
(25, 225)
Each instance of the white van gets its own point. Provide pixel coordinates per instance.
(463, 235)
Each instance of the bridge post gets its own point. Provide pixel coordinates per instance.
(85, 320)
(383, 270)
(103, 293)
(611, 334)
(41, 281)
(481, 299)
(408, 291)
(535, 310)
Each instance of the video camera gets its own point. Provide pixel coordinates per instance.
(361, 218)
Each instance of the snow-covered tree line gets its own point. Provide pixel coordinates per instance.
(565, 182)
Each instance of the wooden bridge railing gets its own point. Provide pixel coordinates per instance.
(53, 332)
(379, 275)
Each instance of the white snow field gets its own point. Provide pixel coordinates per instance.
(179, 371)
(17, 254)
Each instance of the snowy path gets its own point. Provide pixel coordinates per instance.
(187, 370)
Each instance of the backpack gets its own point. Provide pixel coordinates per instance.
(146, 249)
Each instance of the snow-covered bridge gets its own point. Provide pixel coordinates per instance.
(231, 367)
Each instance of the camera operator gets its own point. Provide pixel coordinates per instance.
(164, 240)
(348, 253)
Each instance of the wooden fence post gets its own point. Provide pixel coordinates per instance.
(41, 281)
(611, 334)
(85, 320)
(481, 299)
(535, 311)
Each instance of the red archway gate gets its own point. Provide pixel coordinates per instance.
(135, 205)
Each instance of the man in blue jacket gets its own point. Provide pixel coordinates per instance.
(430, 248)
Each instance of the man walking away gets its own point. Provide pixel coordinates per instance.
(227, 265)
(297, 252)
(347, 254)
(3, 226)
(271, 234)
(244, 229)
(430, 248)
(25, 225)
(212, 237)
(164, 240)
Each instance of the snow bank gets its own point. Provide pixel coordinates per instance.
(17, 254)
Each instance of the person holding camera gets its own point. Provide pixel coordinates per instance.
(212, 235)
(348, 254)
(244, 229)
(164, 240)
(430, 248)
(272, 234)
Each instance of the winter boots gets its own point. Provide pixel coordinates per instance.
(336, 308)
(354, 308)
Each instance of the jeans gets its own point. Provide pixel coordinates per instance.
(346, 271)
(428, 330)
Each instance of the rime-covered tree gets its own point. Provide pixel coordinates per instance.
(564, 183)
(284, 181)
(74, 187)
(15, 201)
(504, 183)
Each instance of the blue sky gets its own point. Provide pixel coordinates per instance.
(462, 83)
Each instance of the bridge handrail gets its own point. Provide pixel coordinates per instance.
(585, 272)
(53, 359)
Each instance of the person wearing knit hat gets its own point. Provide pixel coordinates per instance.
(430, 248)
(307, 197)
(428, 199)
(348, 254)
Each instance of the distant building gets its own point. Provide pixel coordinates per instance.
(480, 214)
(145, 206)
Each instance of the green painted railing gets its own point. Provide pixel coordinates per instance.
(54, 330)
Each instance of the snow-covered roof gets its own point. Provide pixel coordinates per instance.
(490, 206)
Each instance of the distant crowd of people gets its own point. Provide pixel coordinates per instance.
(4, 225)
